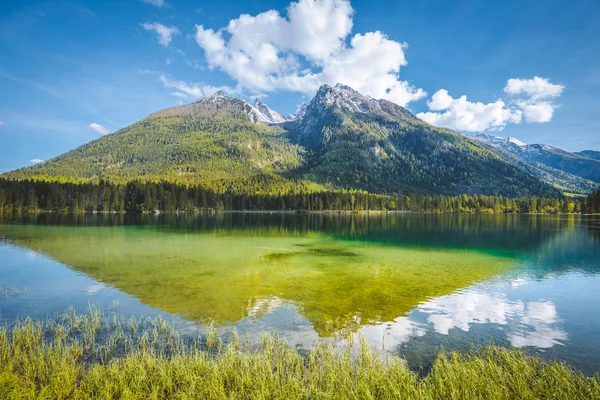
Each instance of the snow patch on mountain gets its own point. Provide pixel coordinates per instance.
(215, 98)
(299, 114)
(346, 98)
(258, 113)
(516, 141)
(267, 114)
(511, 144)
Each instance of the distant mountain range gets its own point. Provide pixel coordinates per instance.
(572, 172)
(341, 139)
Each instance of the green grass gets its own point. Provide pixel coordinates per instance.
(103, 356)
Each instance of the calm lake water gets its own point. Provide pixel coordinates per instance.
(408, 283)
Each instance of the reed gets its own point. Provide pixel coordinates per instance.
(104, 356)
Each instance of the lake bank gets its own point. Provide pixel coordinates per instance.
(102, 356)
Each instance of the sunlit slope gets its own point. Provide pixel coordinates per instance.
(345, 140)
(223, 278)
(216, 147)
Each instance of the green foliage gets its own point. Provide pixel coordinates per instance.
(592, 203)
(216, 151)
(387, 152)
(552, 174)
(95, 356)
(143, 197)
(146, 197)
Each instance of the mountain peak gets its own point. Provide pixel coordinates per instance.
(215, 95)
(267, 114)
(499, 141)
(346, 98)
(299, 113)
(516, 141)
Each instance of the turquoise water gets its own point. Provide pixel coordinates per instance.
(408, 283)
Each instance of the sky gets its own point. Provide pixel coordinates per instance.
(73, 71)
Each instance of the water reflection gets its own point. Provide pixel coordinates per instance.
(532, 323)
(407, 283)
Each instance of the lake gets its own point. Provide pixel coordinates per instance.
(407, 283)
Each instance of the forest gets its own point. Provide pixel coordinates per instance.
(30, 196)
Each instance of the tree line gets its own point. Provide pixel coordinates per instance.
(29, 196)
(592, 203)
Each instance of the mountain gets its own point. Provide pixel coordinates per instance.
(269, 115)
(299, 114)
(219, 142)
(594, 155)
(341, 140)
(562, 180)
(572, 165)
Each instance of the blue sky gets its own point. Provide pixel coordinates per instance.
(71, 71)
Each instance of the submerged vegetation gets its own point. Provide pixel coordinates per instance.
(138, 196)
(225, 276)
(8, 291)
(104, 356)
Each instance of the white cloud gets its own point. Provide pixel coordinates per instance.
(179, 94)
(165, 33)
(537, 111)
(539, 93)
(36, 161)
(531, 99)
(466, 116)
(536, 88)
(157, 3)
(1, 123)
(305, 49)
(99, 128)
(193, 90)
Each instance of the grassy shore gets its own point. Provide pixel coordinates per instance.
(102, 356)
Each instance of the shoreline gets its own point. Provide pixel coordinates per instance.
(296, 212)
(96, 355)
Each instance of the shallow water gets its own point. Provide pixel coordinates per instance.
(406, 282)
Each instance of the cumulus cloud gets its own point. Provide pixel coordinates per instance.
(157, 3)
(305, 49)
(536, 97)
(99, 128)
(536, 88)
(467, 116)
(535, 111)
(531, 100)
(192, 90)
(164, 33)
(36, 161)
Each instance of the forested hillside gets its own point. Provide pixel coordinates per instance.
(207, 144)
(570, 172)
(562, 180)
(594, 155)
(362, 143)
(342, 141)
